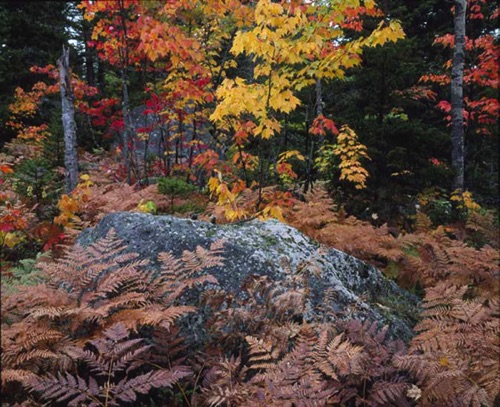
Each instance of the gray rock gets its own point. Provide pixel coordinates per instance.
(356, 289)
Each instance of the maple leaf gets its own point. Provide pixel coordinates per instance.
(6, 169)
(289, 154)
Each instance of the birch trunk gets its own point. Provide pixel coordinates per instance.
(457, 119)
(68, 121)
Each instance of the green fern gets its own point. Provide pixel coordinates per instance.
(25, 273)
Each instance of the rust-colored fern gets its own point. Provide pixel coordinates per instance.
(95, 298)
(456, 354)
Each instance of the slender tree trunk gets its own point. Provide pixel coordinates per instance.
(126, 123)
(162, 148)
(68, 121)
(457, 119)
(178, 139)
(169, 152)
(191, 148)
(101, 81)
(124, 59)
(89, 53)
(319, 98)
(310, 140)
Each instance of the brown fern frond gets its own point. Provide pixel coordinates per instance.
(77, 316)
(89, 262)
(47, 312)
(125, 300)
(387, 393)
(68, 388)
(456, 354)
(153, 315)
(261, 353)
(219, 396)
(33, 354)
(168, 347)
(16, 375)
(292, 380)
(483, 228)
(22, 342)
(222, 383)
(15, 306)
(128, 280)
(126, 389)
(338, 358)
(108, 357)
(178, 275)
(173, 291)
(423, 223)
(315, 213)
(374, 245)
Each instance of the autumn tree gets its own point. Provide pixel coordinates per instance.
(259, 72)
(115, 37)
(29, 35)
(472, 114)
(292, 46)
(28, 102)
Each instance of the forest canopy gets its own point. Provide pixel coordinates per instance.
(263, 87)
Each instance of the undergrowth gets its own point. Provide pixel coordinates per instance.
(94, 327)
(100, 330)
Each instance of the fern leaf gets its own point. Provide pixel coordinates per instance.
(126, 389)
(16, 375)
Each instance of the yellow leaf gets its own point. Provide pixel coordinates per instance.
(235, 214)
(10, 239)
(147, 207)
(272, 211)
(68, 204)
(289, 154)
(213, 184)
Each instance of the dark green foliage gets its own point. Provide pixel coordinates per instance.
(36, 180)
(403, 134)
(401, 143)
(54, 144)
(24, 273)
(174, 188)
(189, 207)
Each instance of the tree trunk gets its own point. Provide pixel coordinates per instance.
(89, 52)
(310, 139)
(127, 130)
(68, 121)
(457, 119)
(127, 122)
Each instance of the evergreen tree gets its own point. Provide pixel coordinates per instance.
(31, 33)
(403, 134)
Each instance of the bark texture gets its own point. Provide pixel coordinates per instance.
(68, 121)
(457, 118)
(127, 132)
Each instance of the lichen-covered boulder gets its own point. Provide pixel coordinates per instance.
(355, 289)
